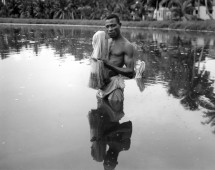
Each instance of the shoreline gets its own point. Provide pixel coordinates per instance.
(99, 26)
(188, 26)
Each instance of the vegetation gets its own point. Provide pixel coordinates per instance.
(65, 9)
(97, 9)
(178, 25)
(84, 12)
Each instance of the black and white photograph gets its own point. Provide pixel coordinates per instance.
(107, 84)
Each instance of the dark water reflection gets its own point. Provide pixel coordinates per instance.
(107, 131)
(44, 101)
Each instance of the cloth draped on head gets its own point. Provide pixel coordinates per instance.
(98, 75)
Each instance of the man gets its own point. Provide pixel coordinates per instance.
(120, 60)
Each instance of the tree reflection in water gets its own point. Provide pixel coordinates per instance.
(171, 58)
(63, 40)
(178, 64)
(210, 116)
(107, 132)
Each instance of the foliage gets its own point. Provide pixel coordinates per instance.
(27, 8)
(181, 8)
(66, 9)
(94, 9)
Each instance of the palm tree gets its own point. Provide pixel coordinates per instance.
(182, 8)
(39, 9)
(120, 7)
(13, 8)
(65, 9)
(27, 8)
(49, 9)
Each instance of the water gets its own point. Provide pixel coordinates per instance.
(48, 114)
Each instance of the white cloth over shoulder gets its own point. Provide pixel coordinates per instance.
(98, 74)
(99, 43)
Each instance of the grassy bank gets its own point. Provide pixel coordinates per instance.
(181, 25)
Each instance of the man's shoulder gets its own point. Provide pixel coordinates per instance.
(125, 40)
(129, 48)
(128, 45)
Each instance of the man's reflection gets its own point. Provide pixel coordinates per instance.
(108, 135)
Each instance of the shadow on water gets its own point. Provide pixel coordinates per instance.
(108, 136)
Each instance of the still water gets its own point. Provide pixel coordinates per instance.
(48, 115)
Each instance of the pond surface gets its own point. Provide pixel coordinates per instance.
(48, 114)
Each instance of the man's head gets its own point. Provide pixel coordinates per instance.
(113, 25)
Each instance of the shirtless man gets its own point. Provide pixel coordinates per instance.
(121, 51)
(120, 60)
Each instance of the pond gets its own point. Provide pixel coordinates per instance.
(48, 113)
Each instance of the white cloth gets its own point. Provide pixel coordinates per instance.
(98, 74)
(140, 68)
(99, 43)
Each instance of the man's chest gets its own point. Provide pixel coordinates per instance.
(115, 48)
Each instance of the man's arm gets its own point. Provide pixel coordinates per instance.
(127, 71)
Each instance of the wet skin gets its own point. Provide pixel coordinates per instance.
(120, 50)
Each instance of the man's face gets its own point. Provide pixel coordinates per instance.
(113, 27)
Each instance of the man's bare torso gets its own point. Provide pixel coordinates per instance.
(117, 51)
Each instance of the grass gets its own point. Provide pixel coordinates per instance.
(178, 25)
